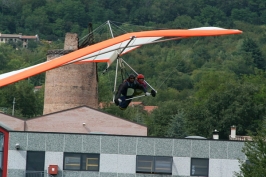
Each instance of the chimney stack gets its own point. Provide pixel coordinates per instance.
(215, 134)
(233, 131)
(71, 85)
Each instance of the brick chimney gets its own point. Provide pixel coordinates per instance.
(72, 85)
(233, 131)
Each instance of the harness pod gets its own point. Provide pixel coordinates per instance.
(134, 93)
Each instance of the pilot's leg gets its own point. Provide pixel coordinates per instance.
(124, 103)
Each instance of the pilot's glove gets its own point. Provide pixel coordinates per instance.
(147, 94)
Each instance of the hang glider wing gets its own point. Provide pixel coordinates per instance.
(109, 54)
(109, 50)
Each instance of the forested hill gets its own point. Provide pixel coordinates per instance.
(203, 83)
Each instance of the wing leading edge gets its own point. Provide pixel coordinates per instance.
(108, 51)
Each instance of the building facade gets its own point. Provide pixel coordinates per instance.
(82, 142)
(5, 38)
(79, 155)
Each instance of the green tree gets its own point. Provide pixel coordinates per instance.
(211, 15)
(255, 152)
(221, 101)
(245, 15)
(159, 121)
(177, 126)
(249, 46)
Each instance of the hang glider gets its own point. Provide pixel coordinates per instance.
(109, 50)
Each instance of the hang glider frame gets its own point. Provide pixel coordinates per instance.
(121, 64)
(114, 46)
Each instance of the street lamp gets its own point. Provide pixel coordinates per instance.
(13, 110)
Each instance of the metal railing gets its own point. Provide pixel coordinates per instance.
(37, 174)
(240, 138)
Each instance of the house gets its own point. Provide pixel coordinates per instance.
(32, 153)
(83, 141)
(149, 109)
(4, 38)
(37, 88)
(235, 137)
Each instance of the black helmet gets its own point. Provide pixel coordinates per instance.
(131, 76)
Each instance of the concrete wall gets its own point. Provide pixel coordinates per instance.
(118, 153)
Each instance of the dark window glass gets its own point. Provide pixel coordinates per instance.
(90, 162)
(35, 161)
(72, 162)
(84, 162)
(199, 167)
(163, 165)
(154, 164)
(145, 164)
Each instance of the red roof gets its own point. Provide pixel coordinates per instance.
(149, 109)
(104, 104)
(28, 37)
(136, 103)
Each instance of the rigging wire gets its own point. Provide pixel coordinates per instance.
(99, 29)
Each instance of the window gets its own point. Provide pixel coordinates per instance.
(35, 163)
(154, 164)
(199, 167)
(81, 162)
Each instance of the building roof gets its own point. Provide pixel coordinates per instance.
(136, 103)
(149, 109)
(18, 36)
(11, 35)
(82, 119)
(29, 37)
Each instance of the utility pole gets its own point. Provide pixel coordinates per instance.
(13, 110)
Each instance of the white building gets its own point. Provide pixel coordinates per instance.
(29, 152)
(4, 38)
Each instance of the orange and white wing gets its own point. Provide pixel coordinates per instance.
(108, 50)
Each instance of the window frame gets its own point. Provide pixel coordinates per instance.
(208, 162)
(81, 160)
(153, 161)
(27, 162)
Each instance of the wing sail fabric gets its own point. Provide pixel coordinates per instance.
(104, 54)
(106, 51)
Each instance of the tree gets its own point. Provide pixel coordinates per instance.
(221, 101)
(211, 15)
(159, 121)
(249, 46)
(245, 15)
(27, 103)
(177, 126)
(255, 152)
